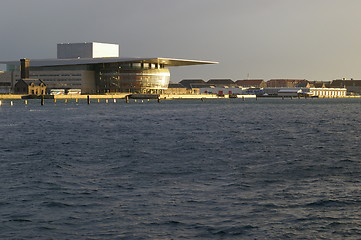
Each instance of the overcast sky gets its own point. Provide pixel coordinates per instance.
(306, 39)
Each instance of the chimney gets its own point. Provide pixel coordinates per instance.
(24, 68)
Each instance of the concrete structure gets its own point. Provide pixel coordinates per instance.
(96, 68)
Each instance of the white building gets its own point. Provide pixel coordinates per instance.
(328, 92)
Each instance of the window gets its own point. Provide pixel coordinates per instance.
(136, 65)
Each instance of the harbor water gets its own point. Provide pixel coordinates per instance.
(181, 169)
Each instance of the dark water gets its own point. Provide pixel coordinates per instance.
(218, 169)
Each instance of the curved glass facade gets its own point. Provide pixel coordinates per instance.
(131, 77)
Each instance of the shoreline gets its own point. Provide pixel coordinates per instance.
(161, 96)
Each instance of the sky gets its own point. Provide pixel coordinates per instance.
(251, 39)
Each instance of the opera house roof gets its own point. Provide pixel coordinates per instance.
(168, 62)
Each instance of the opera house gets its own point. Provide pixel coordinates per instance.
(97, 68)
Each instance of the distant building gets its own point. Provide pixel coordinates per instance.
(221, 90)
(179, 89)
(328, 92)
(252, 83)
(30, 87)
(303, 84)
(189, 82)
(320, 84)
(353, 86)
(288, 83)
(27, 85)
(222, 82)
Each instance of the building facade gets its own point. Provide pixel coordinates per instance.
(30, 87)
(328, 92)
(97, 68)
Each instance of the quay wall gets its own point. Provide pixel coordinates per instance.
(10, 96)
(162, 96)
(188, 96)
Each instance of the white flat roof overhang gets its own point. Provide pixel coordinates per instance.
(169, 62)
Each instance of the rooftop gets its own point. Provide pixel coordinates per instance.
(169, 62)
